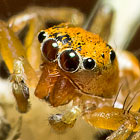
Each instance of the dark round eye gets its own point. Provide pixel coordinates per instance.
(89, 63)
(50, 49)
(69, 60)
(112, 55)
(41, 36)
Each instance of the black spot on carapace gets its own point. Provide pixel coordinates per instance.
(64, 41)
(101, 63)
(78, 33)
(69, 43)
(79, 43)
(55, 34)
(50, 35)
(103, 56)
(59, 38)
(79, 48)
(67, 36)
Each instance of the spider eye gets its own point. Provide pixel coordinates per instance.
(69, 60)
(89, 63)
(50, 49)
(112, 55)
(41, 36)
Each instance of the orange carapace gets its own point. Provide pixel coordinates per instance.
(76, 62)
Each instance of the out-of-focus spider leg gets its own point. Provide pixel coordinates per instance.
(102, 21)
(136, 136)
(121, 121)
(130, 78)
(11, 49)
(36, 18)
(136, 102)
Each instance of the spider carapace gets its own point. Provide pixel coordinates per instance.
(76, 63)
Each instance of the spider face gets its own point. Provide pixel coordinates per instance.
(83, 58)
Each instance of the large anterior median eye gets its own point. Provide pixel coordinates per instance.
(50, 49)
(69, 60)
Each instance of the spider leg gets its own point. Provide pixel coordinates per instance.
(136, 136)
(123, 132)
(61, 122)
(11, 49)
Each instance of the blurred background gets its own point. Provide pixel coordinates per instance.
(9, 8)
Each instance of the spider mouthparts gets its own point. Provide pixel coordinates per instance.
(46, 98)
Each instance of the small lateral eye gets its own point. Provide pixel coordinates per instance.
(69, 61)
(89, 63)
(50, 49)
(41, 36)
(112, 55)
